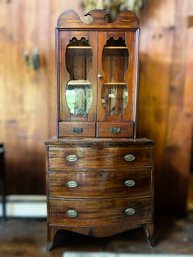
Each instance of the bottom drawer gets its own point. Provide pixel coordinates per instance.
(99, 212)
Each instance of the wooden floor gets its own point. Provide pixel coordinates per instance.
(27, 238)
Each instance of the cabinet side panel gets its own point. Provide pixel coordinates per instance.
(131, 75)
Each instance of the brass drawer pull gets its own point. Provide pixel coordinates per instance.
(72, 213)
(115, 130)
(77, 130)
(129, 157)
(129, 211)
(129, 183)
(72, 184)
(72, 158)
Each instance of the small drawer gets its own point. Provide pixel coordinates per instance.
(100, 212)
(103, 184)
(61, 158)
(76, 129)
(115, 129)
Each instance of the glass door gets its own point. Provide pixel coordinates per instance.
(79, 88)
(77, 85)
(116, 84)
(115, 89)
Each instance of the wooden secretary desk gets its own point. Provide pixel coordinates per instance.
(100, 176)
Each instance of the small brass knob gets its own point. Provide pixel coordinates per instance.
(72, 158)
(129, 157)
(100, 76)
(72, 184)
(71, 213)
(115, 130)
(129, 211)
(77, 130)
(129, 183)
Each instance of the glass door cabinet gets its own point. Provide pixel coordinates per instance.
(99, 174)
(97, 83)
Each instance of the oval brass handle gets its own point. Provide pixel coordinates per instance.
(129, 211)
(129, 183)
(72, 184)
(129, 157)
(71, 213)
(72, 158)
(100, 76)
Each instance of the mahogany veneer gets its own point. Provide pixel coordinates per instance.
(99, 175)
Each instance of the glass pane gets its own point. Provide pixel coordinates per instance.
(79, 88)
(114, 99)
(79, 97)
(115, 88)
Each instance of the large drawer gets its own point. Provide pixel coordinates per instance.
(61, 158)
(99, 212)
(103, 184)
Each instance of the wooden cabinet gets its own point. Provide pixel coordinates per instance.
(97, 76)
(99, 174)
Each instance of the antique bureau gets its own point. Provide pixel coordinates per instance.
(99, 174)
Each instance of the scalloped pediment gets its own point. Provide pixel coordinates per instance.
(125, 19)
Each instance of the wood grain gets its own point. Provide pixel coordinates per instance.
(92, 158)
(100, 212)
(179, 117)
(84, 187)
(103, 184)
(27, 97)
(66, 129)
(96, 142)
(126, 129)
(89, 231)
(165, 112)
(70, 19)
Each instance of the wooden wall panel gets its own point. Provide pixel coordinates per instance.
(153, 97)
(159, 13)
(163, 113)
(27, 97)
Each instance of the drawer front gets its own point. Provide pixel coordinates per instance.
(99, 212)
(115, 129)
(77, 129)
(61, 158)
(99, 184)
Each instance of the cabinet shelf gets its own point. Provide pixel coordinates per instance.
(79, 82)
(79, 47)
(89, 47)
(115, 83)
(116, 47)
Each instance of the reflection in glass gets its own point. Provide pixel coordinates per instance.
(79, 97)
(114, 99)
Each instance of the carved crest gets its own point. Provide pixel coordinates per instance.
(70, 19)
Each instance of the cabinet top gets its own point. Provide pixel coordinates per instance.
(98, 141)
(71, 20)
